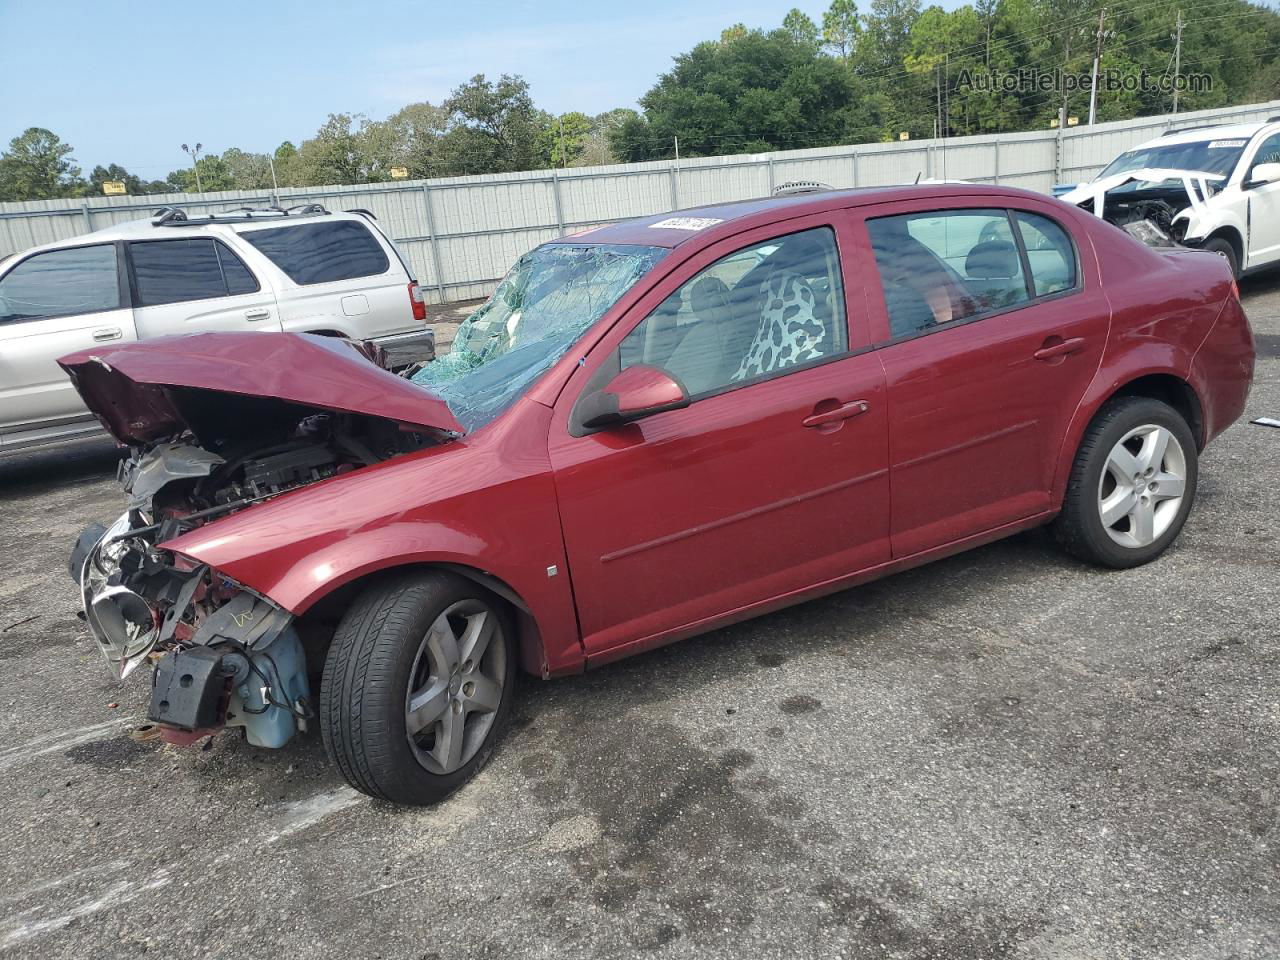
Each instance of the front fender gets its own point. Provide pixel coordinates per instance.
(486, 503)
(1209, 219)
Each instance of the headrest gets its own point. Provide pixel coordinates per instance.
(708, 293)
(992, 260)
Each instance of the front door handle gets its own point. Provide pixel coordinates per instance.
(107, 333)
(843, 412)
(1056, 347)
(257, 314)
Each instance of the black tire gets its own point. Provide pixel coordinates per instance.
(366, 684)
(1079, 527)
(1224, 249)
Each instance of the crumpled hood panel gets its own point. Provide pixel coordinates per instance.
(125, 385)
(1095, 189)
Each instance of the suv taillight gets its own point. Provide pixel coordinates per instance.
(417, 302)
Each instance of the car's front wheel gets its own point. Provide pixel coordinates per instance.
(1132, 484)
(417, 686)
(1225, 250)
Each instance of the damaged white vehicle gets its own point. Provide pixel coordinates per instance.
(1215, 188)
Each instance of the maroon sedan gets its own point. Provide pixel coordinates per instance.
(652, 429)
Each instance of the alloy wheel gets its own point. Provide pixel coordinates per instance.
(455, 686)
(1141, 488)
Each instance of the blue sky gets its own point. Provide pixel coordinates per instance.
(129, 83)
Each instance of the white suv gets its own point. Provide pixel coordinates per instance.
(304, 270)
(1216, 188)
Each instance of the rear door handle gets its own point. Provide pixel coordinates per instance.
(107, 333)
(1051, 351)
(843, 412)
(257, 314)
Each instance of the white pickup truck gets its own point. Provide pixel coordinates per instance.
(304, 270)
(1216, 188)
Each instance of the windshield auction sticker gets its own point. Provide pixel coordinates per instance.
(1226, 144)
(685, 223)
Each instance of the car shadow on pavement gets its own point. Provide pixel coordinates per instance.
(73, 462)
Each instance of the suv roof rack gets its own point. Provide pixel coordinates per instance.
(1204, 126)
(177, 217)
(793, 187)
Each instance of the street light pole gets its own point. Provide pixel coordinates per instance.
(195, 163)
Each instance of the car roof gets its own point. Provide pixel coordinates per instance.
(143, 228)
(710, 223)
(1226, 131)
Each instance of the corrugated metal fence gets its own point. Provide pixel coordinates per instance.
(462, 233)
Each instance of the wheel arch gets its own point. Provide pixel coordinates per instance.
(1166, 385)
(1233, 236)
(316, 623)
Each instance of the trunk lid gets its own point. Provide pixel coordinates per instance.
(130, 387)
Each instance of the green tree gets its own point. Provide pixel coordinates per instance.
(840, 28)
(801, 27)
(38, 166)
(569, 131)
(761, 91)
(493, 127)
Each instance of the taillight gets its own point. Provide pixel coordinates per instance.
(417, 301)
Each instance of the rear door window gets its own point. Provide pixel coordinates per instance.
(321, 252)
(1050, 254)
(176, 271)
(945, 266)
(61, 283)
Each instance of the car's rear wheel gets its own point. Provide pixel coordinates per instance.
(1224, 249)
(1132, 484)
(417, 686)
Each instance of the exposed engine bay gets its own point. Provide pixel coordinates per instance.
(1154, 206)
(222, 655)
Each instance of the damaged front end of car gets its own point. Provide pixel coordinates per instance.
(222, 655)
(209, 435)
(1161, 208)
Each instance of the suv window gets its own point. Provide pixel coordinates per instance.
(321, 252)
(1050, 254)
(61, 283)
(765, 308)
(943, 266)
(175, 271)
(1269, 152)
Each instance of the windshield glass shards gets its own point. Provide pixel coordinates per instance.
(547, 301)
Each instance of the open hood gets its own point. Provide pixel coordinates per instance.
(130, 387)
(1194, 182)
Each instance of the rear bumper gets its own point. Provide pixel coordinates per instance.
(406, 348)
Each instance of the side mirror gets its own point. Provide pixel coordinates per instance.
(1264, 173)
(636, 392)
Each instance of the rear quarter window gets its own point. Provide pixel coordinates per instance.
(321, 252)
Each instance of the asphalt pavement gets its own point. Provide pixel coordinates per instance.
(1002, 755)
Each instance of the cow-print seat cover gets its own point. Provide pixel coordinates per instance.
(789, 332)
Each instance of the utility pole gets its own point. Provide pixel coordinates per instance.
(1177, 60)
(562, 158)
(677, 143)
(195, 163)
(275, 187)
(1097, 57)
(938, 84)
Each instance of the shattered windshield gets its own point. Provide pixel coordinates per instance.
(547, 301)
(1206, 156)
